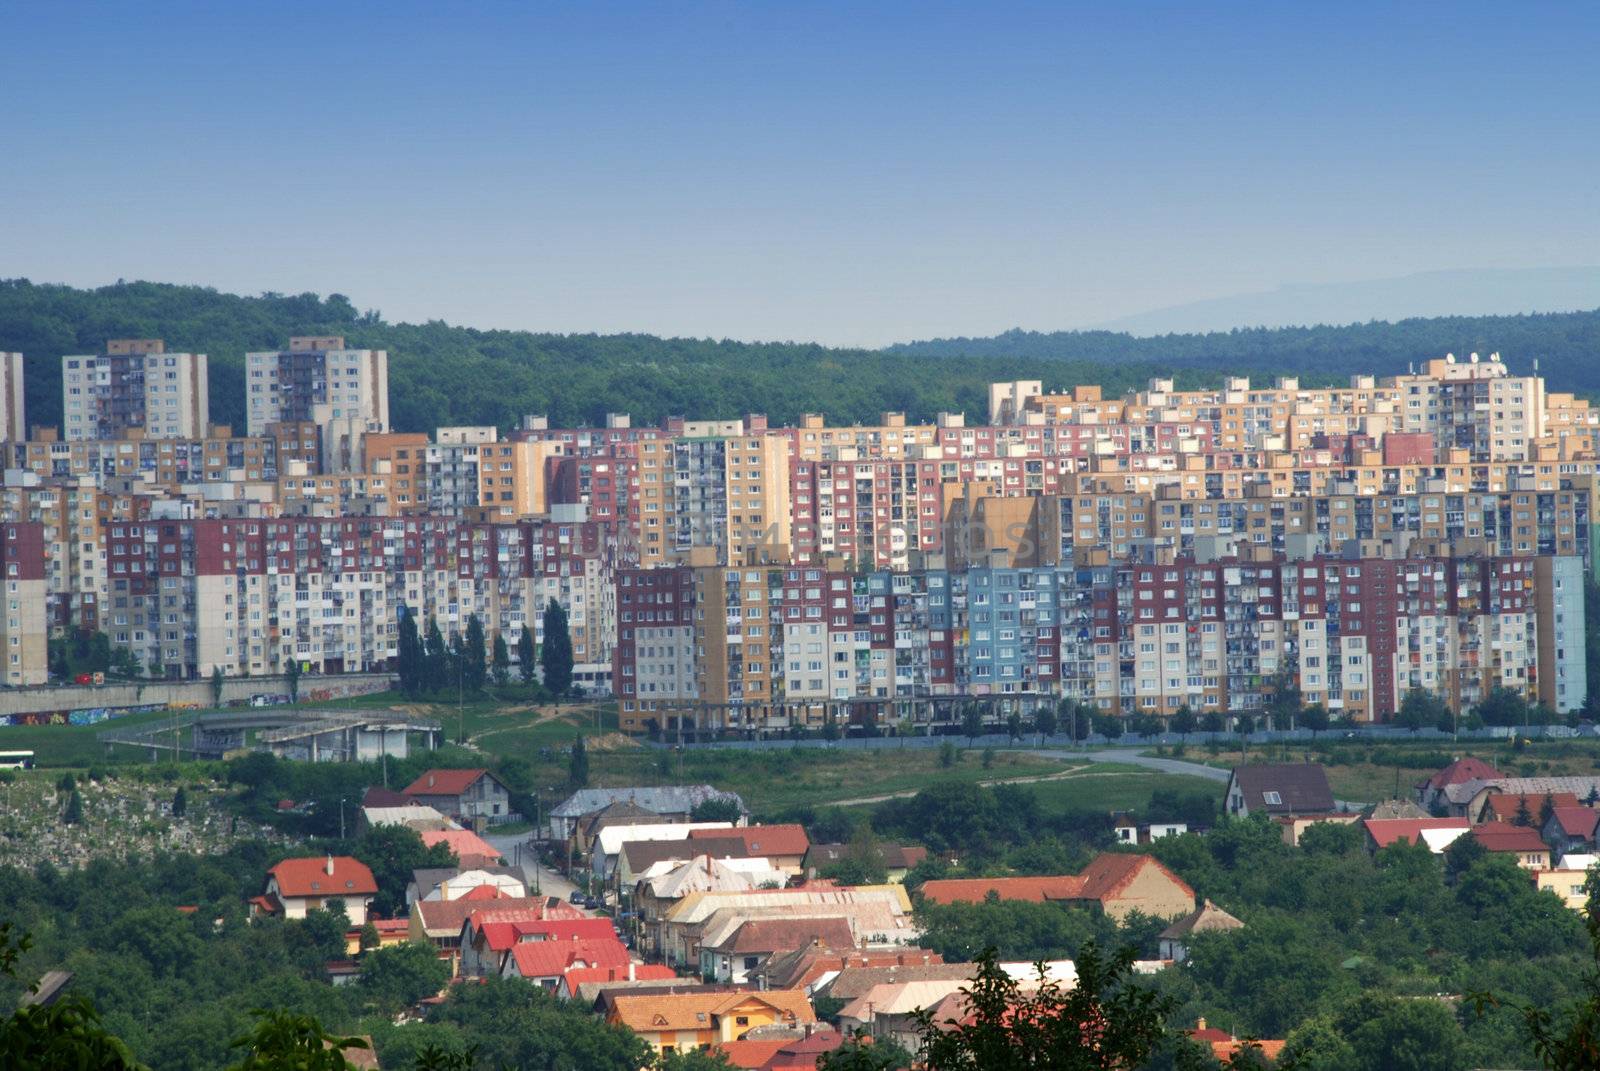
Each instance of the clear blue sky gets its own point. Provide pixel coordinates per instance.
(851, 173)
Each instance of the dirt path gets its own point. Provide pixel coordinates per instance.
(1028, 779)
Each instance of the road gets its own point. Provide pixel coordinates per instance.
(1170, 766)
(550, 882)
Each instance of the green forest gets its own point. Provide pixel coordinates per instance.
(442, 374)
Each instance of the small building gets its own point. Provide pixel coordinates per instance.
(674, 803)
(545, 962)
(733, 957)
(898, 859)
(1437, 833)
(1520, 842)
(1119, 883)
(296, 886)
(463, 794)
(1208, 919)
(686, 1022)
(1279, 790)
(469, 849)
(452, 883)
(1571, 829)
(1523, 808)
(784, 846)
(1570, 885)
(1431, 791)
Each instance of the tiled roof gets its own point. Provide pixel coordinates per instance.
(378, 796)
(1501, 837)
(1503, 807)
(799, 968)
(1301, 787)
(549, 959)
(1386, 831)
(1208, 918)
(464, 844)
(975, 890)
(1577, 821)
(787, 839)
(659, 799)
(641, 972)
(802, 1053)
(900, 998)
(852, 982)
(696, 1011)
(1467, 769)
(444, 918)
(642, 854)
(903, 856)
(785, 935)
(751, 1055)
(444, 782)
(311, 877)
(501, 935)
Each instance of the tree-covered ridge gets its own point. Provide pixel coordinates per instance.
(442, 374)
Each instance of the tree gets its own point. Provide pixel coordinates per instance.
(1547, 810)
(435, 659)
(283, 1041)
(830, 727)
(716, 809)
(392, 853)
(862, 862)
(475, 656)
(408, 655)
(693, 1060)
(1523, 817)
(1421, 709)
(370, 938)
(1212, 722)
(971, 720)
(578, 764)
(1044, 721)
(947, 753)
(1108, 726)
(400, 975)
(1105, 1021)
(216, 686)
(501, 661)
(1283, 702)
(1013, 726)
(861, 1052)
(555, 657)
(1183, 722)
(525, 656)
(65, 1033)
(1503, 707)
(1245, 723)
(1315, 717)
(74, 812)
(180, 802)
(292, 678)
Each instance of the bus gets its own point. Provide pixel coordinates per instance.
(16, 760)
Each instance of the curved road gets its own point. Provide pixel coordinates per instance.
(1139, 758)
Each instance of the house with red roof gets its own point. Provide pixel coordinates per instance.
(567, 988)
(545, 962)
(1430, 792)
(463, 794)
(488, 936)
(1436, 833)
(1521, 843)
(1224, 1045)
(784, 845)
(1119, 883)
(1571, 829)
(1523, 808)
(469, 849)
(296, 886)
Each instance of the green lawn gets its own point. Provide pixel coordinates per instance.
(1121, 789)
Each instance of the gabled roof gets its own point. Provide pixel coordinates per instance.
(427, 879)
(1577, 821)
(464, 844)
(903, 856)
(1207, 919)
(1387, 831)
(1501, 837)
(851, 982)
(498, 936)
(641, 972)
(445, 782)
(751, 1054)
(640, 855)
(1388, 809)
(784, 935)
(697, 1011)
(803, 1052)
(312, 877)
(1504, 806)
(444, 918)
(787, 839)
(975, 890)
(1300, 787)
(801, 967)
(1466, 769)
(1108, 875)
(900, 998)
(659, 799)
(378, 796)
(550, 959)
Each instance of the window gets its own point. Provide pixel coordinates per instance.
(1273, 799)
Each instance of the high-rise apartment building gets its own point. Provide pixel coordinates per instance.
(317, 379)
(136, 389)
(12, 426)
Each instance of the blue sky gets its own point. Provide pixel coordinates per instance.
(851, 173)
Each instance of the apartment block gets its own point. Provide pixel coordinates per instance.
(317, 379)
(135, 389)
(12, 423)
(24, 637)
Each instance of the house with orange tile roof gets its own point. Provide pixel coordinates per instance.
(1571, 829)
(296, 886)
(1430, 791)
(463, 794)
(1521, 843)
(488, 936)
(469, 849)
(1119, 883)
(689, 1021)
(567, 988)
(738, 952)
(544, 962)
(1436, 833)
(784, 846)
(1510, 806)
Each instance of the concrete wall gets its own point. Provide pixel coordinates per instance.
(186, 694)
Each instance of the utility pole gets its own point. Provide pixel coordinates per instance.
(341, 817)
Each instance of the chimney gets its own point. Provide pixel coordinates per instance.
(632, 971)
(1200, 1024)
(329, 866)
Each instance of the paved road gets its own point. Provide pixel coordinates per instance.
(1138, 758)
(550, 882)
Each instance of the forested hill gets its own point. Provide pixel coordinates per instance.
(440, 374)
(1567, 346)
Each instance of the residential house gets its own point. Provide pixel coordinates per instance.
(1571, 885)
(1430, 793)
(891, 1009)
(1224, 1046)
(1119, 883)
(620, 812)
(466, 795)
(1519, 842)
(848, 983)
(1471, 798)
(1571, 829)
(296, 886)
(452, 883)
(897, 858)
(1209, 918)
(1523, 808)
(545, 962)
(690, 1021)
(811, 966)
(671, 802)
(1437, 833)
(667, 882)
(1279, 790)
(732, 956)
(881, 911)
(577, 977)
(489, 935)
(1294, 826)
(1130, 832)
(391, 932)
(784, 846)
(640, 857)
(783, 1054)
(469, 849)
(439, 922)
(603, 856)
